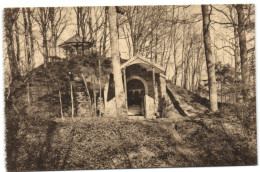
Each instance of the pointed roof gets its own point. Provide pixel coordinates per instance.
(144, 62)
(76, 40)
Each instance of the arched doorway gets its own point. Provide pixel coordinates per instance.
(136, 91)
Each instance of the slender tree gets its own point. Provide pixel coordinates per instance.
(43, 21)
(210, 60)
(17, 38)
(10, 17)
(230, 21)
(105, 33)
(119, 91)
(26, 35)
(243, 48)
(59, 18)
(30, 31)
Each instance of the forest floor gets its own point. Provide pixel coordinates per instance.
(219, 139)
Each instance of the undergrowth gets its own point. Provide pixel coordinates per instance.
(225, 138)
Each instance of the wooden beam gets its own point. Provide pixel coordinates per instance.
(126, 104)
(100, 88)
(154, 90)
(61, 111)
(72, 101)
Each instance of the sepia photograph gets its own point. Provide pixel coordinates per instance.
(129, 87)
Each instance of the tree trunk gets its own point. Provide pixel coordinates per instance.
(78, 20)
(213, 97)
(175, 47)
(42, 20)
(175, 58)
(27, 47)
(31, 36)
(119, 91)
(237, 59)
(9, 20)
(243, 49)
(17, 38)
(52, 18)
(105, 33)
(186, 73)
(237, 62)
(175, 65)
(45, 52)
(156, 47)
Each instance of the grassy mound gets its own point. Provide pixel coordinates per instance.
(37, 139)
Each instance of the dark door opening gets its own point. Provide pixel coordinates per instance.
(135, 97)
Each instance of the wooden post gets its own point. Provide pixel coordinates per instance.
(72, 101)
(105, 93)
(126, 105)
(28, 92)
(61, 111)
(154, 90)
(100, 89)
(95, 102)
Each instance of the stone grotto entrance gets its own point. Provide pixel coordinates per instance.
(135, 97)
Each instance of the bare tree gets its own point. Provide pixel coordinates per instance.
(213, 96)
(27, 42)
(27, 51)
(83, 21)
(119, 92)
(105, 32)
(143, 22)
(59, 21)
(230, 21)
(175, 42)
(30, 31)
(10, 17)
(42, 19)
(243, 47)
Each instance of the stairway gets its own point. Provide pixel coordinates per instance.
(81, 99)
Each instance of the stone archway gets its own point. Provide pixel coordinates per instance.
(140, 79)
(137, 90)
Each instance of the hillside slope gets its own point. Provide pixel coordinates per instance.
(37, 139)
(187, 103)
